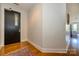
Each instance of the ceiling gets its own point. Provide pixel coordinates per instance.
(27, 6)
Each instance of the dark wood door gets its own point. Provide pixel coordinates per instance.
(12, 27)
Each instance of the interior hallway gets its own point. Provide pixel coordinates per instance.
(39, 30)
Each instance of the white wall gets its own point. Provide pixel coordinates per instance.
(35, 25)
(54, 22)
(23, 21)
(47, 27)
(0, 26)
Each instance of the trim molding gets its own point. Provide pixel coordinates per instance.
(1, 46)
(36, 46)
(23, 40)
(68, 42)
(67, 47)
(47, 50)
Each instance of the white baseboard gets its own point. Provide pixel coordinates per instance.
(24, 40)
(1, 46)
(50, 50)
(35, 45)
(47, 50)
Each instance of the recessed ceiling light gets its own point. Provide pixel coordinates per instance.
(16, 3)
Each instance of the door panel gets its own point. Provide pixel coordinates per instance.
(12, 34)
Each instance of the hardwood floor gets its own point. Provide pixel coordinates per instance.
(12, 47)
(74, 46)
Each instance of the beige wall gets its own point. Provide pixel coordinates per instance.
(35, 25)
(23, 21)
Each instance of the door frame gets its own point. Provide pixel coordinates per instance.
(19, 21)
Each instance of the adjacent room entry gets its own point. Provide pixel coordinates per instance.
(12, 27)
